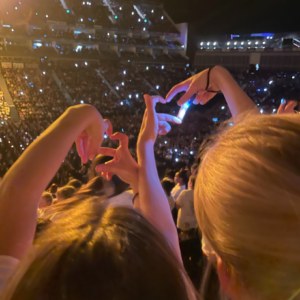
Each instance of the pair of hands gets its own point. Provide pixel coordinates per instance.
(89, 142)
(122, 164)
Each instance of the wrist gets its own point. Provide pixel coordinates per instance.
(218, 76)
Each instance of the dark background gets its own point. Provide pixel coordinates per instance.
(225, 17)
(236, 16)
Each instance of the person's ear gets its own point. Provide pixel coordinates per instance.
(224, 277)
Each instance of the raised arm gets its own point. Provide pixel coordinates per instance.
(205, 83)
(25, 182)
(153, 200)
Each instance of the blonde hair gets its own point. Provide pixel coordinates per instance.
(248, 207)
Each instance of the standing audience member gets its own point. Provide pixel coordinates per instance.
(169, 175)
(168, 187)
(65, 193)
(185, 204)
(46, 200)
(77, 184)
(181, 180)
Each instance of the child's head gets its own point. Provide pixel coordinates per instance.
(248, 207)
(95, 253)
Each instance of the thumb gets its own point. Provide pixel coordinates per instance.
(150, 105)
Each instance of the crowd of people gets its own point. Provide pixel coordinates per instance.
(116, 14)
(40, 100)
(122, 231)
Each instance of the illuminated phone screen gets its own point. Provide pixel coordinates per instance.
(185, 107)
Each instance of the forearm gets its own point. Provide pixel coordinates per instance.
(237, 100)
(152, 199)
(25, 182)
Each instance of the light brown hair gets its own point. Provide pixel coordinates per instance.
(97, 253)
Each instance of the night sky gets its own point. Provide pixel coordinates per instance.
(236, 16)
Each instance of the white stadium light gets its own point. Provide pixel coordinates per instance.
(264, 43)
(162, 17)
(86, 63)
(157, 87)
(261, 111)
(242, 43)
(271, 81)
(215, 43)
(235, 43)
(256, 43)
(81, 101)
(249, 43)
(201, 44)
(177, 159)
(228, 43)
(208, 44)
(121, 103)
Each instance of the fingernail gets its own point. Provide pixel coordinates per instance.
(282, 101)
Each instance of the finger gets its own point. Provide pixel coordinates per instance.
(168, 118)
(158, 99)
(109, 176)
(107, 151)
(163, 127)
(79, 147)
(150, 105)
(109, 167)
(85, 145)
(93, 147)
(122, 138)
(203, 97)
(281, 107)
(188, 95)
(290, 107)
(109, 130)
(183, 86)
